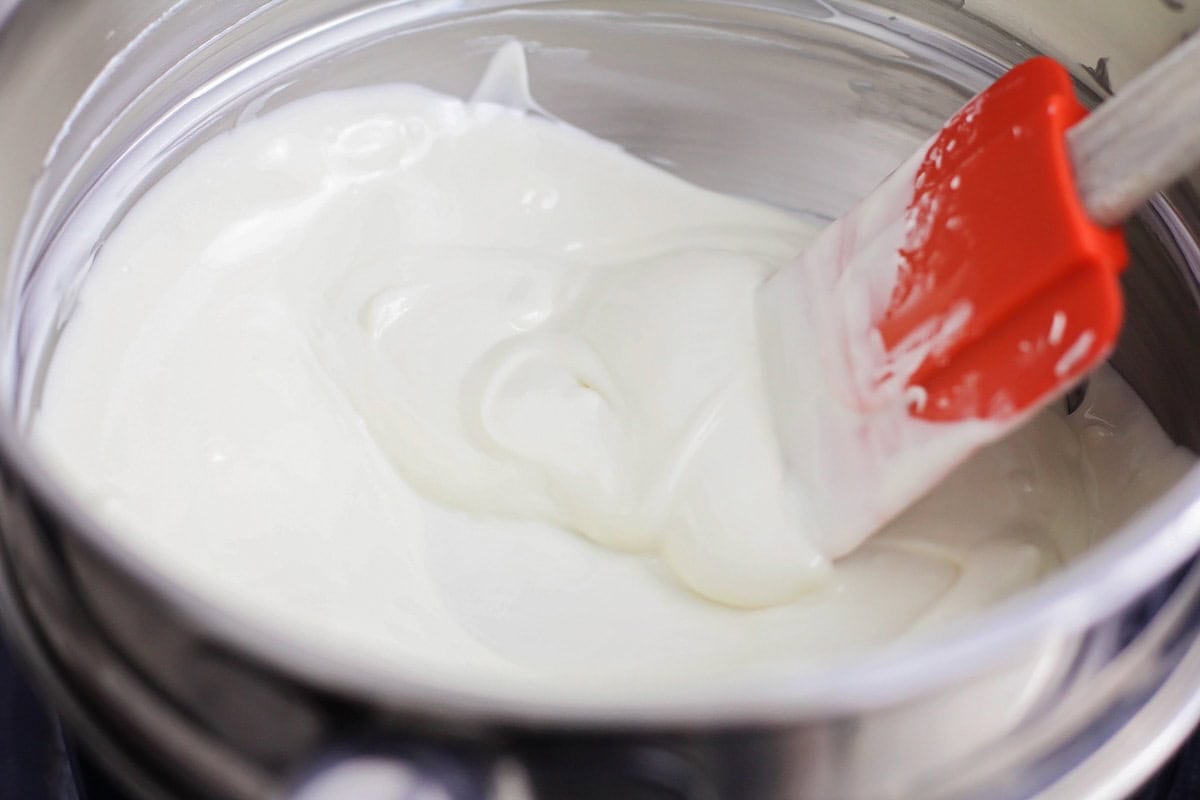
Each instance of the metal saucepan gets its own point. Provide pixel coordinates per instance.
(183, 698)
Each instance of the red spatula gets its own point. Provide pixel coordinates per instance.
(977, 283)
(1012, 205)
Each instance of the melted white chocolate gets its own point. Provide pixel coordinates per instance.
(354, 366)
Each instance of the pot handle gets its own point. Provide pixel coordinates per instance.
(413, 772)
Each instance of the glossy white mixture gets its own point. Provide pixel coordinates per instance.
(366, 367)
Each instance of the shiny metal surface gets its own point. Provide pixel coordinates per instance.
(1140, 140)
(190, 700)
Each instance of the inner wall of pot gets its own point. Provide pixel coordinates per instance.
(803, 105)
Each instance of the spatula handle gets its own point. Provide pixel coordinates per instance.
(1143, 139)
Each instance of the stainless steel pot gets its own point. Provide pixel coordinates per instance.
(1076, 689)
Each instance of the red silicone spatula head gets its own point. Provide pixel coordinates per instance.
(998, 232)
